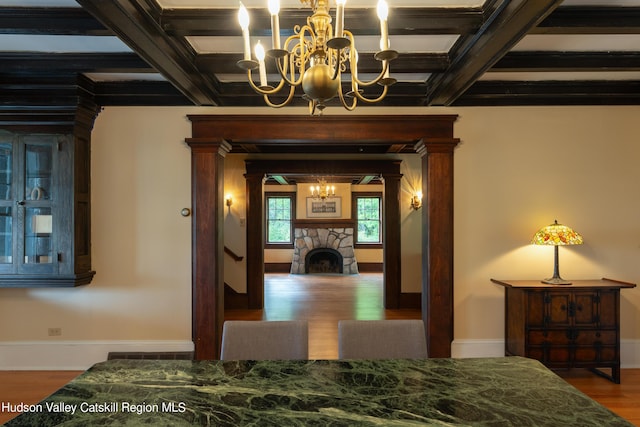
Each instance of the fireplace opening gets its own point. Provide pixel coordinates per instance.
(323, 261)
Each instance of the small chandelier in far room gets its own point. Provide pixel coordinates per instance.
(316, 57)
(322, 190)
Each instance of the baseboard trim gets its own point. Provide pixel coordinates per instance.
(74, 355)
(477, 348)
(629, 350)
(80, 355)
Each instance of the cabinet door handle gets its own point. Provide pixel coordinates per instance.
(21, 202)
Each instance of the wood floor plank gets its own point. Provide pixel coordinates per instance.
(29, 387)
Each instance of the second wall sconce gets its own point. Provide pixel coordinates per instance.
(416, 201)
(228, 200)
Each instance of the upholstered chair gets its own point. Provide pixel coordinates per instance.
(265, 340)
(381, 339)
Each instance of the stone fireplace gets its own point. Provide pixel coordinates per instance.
(324, 250)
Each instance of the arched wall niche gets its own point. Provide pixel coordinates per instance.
(213, 136)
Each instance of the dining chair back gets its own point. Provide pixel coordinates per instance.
(265, 340)
(382, 339)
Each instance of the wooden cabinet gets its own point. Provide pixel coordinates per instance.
(565, 326)
(44, 211)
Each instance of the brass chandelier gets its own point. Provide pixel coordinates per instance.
(316, 57)
(323, 190)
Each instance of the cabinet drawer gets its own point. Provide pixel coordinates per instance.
(590, 337)
(538, 337)
(594, 354)
(557, 356)
(549, 355)
(574, 336)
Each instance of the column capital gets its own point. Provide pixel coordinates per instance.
(436, 145)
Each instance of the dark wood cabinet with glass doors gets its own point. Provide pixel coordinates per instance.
(44, 219)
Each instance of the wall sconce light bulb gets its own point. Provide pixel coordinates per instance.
(228, 200)
(416, 201)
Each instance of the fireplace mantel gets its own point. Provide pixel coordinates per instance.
(324, 223)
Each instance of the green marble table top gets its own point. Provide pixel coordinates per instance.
(504, 391)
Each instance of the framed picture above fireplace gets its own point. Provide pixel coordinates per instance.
(330, 207)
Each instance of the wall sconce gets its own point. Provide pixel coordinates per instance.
(416, 201)
(228, 201)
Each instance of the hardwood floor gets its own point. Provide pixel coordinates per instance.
(323, 300)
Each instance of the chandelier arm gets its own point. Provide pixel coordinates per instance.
(343, 101)
(284, 70)
(284, 103)
(372, 101)
(289, 60)
(336, 68)
(264, 91)
(385, 68)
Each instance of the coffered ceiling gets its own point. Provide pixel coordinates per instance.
(452, 53)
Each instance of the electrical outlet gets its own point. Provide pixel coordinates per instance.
(55, 332)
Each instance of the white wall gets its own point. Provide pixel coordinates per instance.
(516, 169)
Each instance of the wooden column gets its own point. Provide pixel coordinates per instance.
(207, 201)
(391, 241)
(255, 241)
(437, 243)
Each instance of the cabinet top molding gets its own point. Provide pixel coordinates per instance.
(590, 283)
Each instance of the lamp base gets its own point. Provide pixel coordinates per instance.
(556, 281)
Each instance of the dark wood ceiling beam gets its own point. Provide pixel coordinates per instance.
(38, 95)
(569, 61)
(591, 20)
(24, 63)
(55, 21)
(23, 119)
(499, 93)
(504, 28)
(249, 148)
(138, 93)
(402, 21)
(133, 21)
(396, 148)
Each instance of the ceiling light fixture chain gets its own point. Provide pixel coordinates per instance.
(316, 58)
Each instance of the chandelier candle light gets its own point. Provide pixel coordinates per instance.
(323, 190)
(316, 57)
(556, 235)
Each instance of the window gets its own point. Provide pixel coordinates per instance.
(368, 215)
(279, 213)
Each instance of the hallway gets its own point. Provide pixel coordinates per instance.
(323, 300)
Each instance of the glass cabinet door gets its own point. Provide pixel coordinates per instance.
(37, 215)
(6, 203)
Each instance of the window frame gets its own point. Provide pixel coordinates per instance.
(354, 214)
(279, 194)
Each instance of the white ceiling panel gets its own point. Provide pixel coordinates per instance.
(60, 44)
(579, 42)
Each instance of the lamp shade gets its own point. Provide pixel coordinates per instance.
(556, 235)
